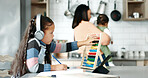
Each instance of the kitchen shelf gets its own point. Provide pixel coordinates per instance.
(135, 19)
(135, 1)
(39, 3)
(39, 7)
(130, 7)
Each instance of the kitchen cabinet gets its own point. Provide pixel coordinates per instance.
(124, 63)
(39, 6)
(146, 9)
(135, 10)
(130, 61)
(146, 63)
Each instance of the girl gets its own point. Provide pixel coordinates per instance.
(81, 21)
(33, 51)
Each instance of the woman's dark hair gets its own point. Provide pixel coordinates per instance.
(102, 19)
(19, 67)
(80, 14)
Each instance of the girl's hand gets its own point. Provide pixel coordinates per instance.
(88, 41)
(58, 67)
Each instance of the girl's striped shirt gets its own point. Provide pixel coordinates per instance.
(36, 53)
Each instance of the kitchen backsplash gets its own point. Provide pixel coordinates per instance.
(133, 35)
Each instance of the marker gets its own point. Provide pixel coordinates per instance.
(58, 60)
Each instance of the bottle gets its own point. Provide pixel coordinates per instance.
(123, 50)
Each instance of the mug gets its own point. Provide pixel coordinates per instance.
(125, 54)
(130, 54)
(136, 53)
(136, 15)
(142, 54)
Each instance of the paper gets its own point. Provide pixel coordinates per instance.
(74, 73)
(69, 71)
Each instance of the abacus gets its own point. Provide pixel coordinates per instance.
(89, 60)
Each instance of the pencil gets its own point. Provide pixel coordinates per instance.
(58, 60)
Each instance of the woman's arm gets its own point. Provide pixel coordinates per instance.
(105, 39)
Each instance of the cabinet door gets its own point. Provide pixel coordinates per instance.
(41, 7)
(146, 9)
(124, 63)
(146, 63)
(125, 13)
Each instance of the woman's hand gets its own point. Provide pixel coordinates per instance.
(58, 67)
(88, 41)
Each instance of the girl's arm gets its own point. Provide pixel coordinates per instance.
(62, 47)
(66, 47)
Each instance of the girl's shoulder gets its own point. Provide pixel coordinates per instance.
(34, 40)
(33, 43)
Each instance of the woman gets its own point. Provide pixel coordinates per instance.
(82, 16)
(33, 49)
(82, 27)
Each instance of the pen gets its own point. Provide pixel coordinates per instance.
(58, 60)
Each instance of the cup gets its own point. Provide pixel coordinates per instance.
(136, 53)
(142, 54)
(126, 54)
(130, 54)
(136, 15)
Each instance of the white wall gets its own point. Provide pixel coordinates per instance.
(9, 26)
(129, 34)
(9, 29)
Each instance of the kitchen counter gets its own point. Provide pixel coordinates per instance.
(130, 61)
(130, 71)
(113, 58)
(122, 71)
(131, 58)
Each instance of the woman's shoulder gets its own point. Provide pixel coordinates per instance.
(86, 22)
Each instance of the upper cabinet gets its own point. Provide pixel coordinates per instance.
(146, 9)
(135, 10)
(39, 6)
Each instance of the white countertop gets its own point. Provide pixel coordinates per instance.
(122, 71)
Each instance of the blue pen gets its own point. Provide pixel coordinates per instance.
(58, 60)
